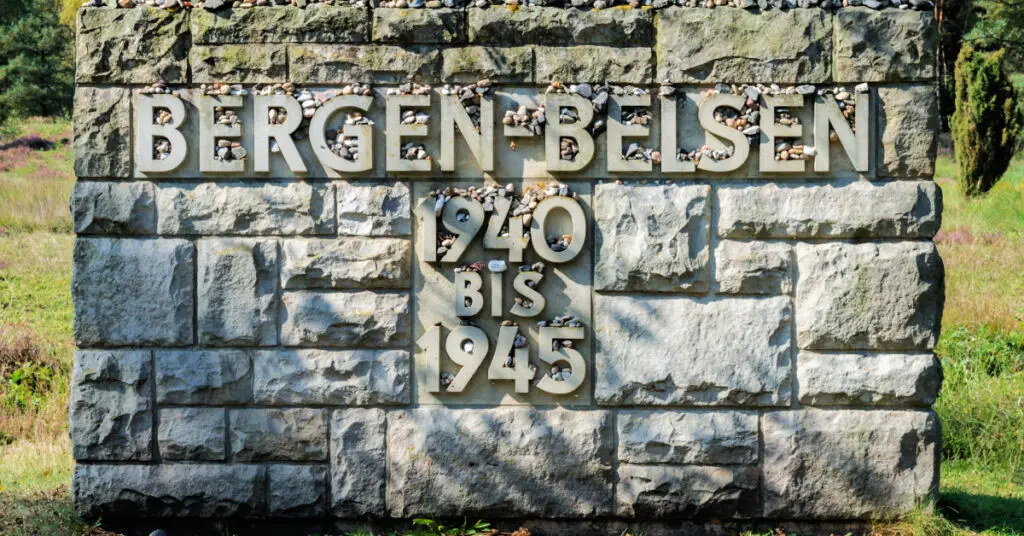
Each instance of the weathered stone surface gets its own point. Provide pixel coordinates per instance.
(736, 45)
(691, 491)
(237, 292)
(380, 64)
(652, 237)
(908, 118)
(753, 267)
(278, 434)
(192, 434)
(669, 350)
(868, 379)
(582, 63)
(418, 26)
(883, 296)
(203, 377)
(857, 209)
(358, 462)
(276, 208)
(467, 65)
(297, 490)
(500, 462)
(374, 209)
(317, 23)
(688, 437)
(889, 45)
(239, 64)
(849, 464)
(180, 490)
(102, 132)
(114, 208)
(111, 405)
(347, 263)
(346, 319)
(131, 46)
(349, 378)
(558, 26)
(147, 302)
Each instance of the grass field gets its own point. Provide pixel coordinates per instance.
(982, 350)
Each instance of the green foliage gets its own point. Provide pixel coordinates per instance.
(430, 527)
(36, 60)
(981, 405)
(28, 385)
(986, 119)
(996, 24)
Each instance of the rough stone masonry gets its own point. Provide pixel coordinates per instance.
(582, 268)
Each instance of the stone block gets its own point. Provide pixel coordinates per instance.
(856, 209)
(889, 45)
(689, 491)
(374, 209)
(849, 464)
(467, 65)
(239, 64)
(132, 46)
(169, 490)
(656, 351)
(193, 434)
(133, 292)
(736, 45)
(693, 437)
(652, 237)
(317, 23)
(347, 263)
(500, 462)
(558, 26)
(259, 435)
(881, 296)
(358, 462)
(111, 405)
(868, 379)
(418, 26)
(275, 208)
(753, 267)
(203, 377)
(364, 319)
(377, 64)
(237, 292)
(324, 377)
(587, 63)
(102, 132)
(297, 490)
(114, 208)
(908, 122)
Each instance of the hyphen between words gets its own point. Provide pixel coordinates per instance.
(340, 131)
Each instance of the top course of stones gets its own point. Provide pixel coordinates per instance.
(515, 4)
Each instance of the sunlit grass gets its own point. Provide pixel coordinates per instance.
(35, 186)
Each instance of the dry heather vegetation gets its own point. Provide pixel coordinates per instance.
(982, 350)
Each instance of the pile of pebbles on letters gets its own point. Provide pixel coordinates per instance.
(533, 120)
(764, 5)
(522, 207)
(748, 120)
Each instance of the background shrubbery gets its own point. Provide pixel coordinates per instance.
(36, 60)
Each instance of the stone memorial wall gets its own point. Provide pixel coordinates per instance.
(658, 264)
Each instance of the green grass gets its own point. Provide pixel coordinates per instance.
(982, 497)
(35, 186)
(982, 352)
(998, 212)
